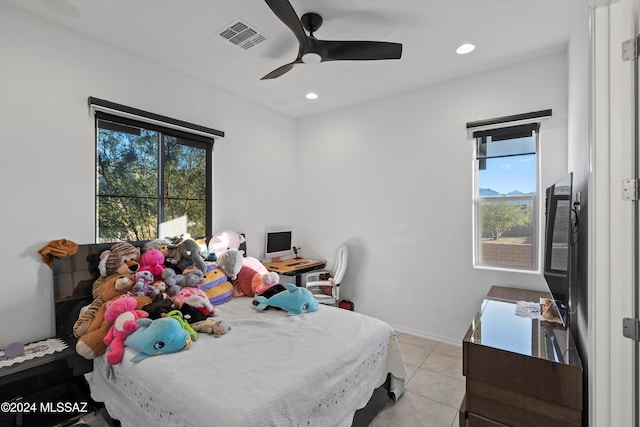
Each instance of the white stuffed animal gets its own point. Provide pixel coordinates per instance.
(230, 261)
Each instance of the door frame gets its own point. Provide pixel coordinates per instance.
(611, 249)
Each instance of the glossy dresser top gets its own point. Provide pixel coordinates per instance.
(498, 325)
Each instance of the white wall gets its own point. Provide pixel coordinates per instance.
(393, 178)
(47, 153)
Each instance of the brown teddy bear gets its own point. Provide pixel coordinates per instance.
(211, 326)
(121, 259)
(91, 344)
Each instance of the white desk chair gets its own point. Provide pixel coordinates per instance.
(313, 280)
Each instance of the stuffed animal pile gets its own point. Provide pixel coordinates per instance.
(157, 300)
(149, 285)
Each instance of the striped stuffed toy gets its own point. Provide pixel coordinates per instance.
(216, 287)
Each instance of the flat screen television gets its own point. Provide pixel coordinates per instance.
(558, 243)
(278, 243)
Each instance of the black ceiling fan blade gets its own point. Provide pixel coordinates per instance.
(285, 12)
(281, 70)
(326, 50)
(333, 50)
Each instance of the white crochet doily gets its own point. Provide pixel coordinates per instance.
(33, 350)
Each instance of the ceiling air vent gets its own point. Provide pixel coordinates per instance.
(241, 34)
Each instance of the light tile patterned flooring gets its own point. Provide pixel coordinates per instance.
(434, 386)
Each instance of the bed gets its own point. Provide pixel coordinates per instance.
(326, 368)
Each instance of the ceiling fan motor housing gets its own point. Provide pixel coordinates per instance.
(311, 22)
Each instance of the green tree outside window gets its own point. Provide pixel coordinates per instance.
(145, 178)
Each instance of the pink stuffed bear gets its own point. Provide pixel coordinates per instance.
(153, 261)
(123, 314)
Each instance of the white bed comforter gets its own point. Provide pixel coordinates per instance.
(270, 369)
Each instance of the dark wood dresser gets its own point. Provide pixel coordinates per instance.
(519, 371)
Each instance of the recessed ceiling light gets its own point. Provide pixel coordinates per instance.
(465, 48)
(311, 95)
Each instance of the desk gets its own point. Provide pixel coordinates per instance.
(295, 267)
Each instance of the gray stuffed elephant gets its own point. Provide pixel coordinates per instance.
(185, 254)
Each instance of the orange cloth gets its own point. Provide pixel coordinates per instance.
(57, 248)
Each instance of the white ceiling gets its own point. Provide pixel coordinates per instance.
(183, 35)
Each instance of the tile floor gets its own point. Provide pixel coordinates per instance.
(434, 386)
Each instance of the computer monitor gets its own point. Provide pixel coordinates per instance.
(278, 243)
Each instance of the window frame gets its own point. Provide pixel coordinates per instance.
(499, 127)
(202, 137)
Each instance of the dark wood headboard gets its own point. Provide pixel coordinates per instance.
(73, 279)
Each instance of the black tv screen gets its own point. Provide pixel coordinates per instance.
(557, 247)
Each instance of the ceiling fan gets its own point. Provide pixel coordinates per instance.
(312, 50)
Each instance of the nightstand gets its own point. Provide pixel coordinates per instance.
(45, 391)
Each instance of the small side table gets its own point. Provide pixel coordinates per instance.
(45, 390)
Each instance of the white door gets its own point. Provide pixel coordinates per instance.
(614, 222)
(631, 50)
(636, 399)
(636, 318)
(632, 324)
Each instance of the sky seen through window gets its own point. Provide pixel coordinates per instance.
(509, 174)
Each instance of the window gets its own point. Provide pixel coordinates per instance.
(506, 198)
(151, 181)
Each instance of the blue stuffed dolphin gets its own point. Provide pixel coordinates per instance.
(294, 299)
(164, 335)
